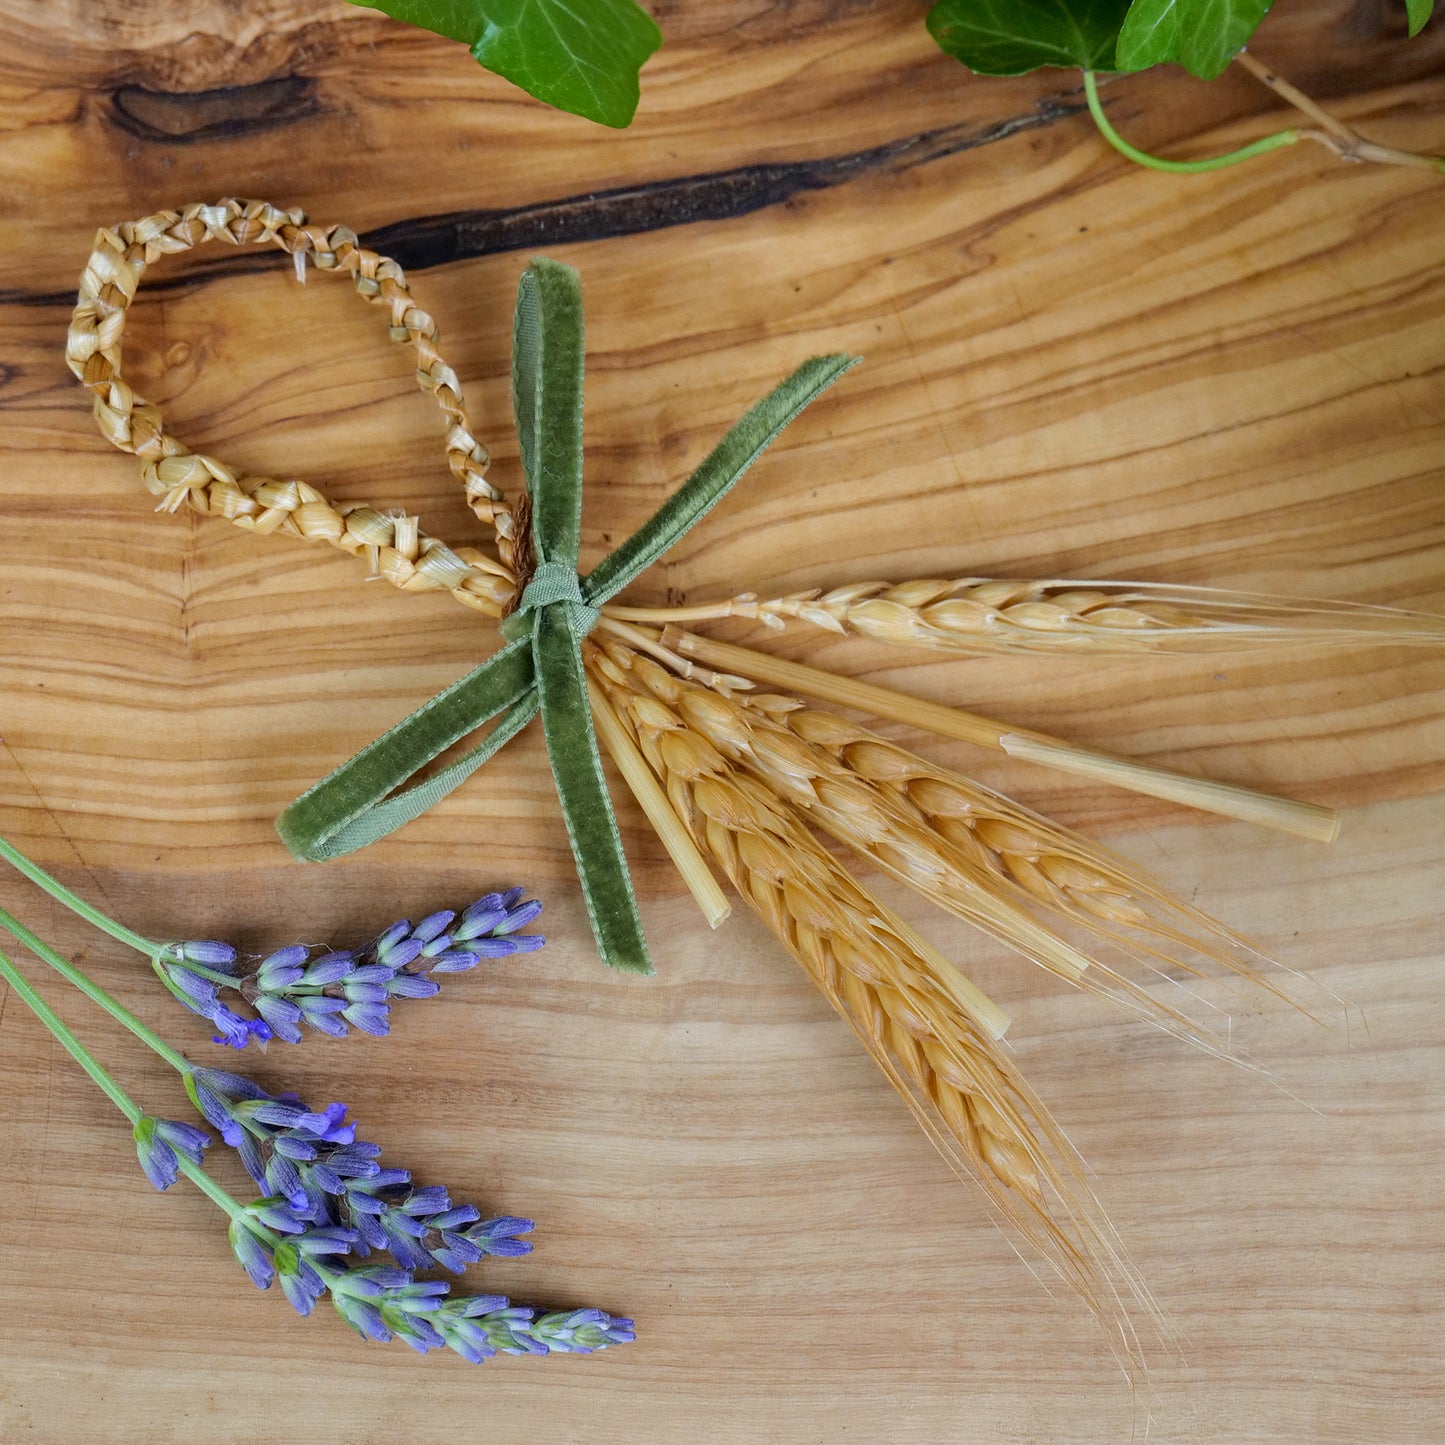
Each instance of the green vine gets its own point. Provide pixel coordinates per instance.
(585, 56)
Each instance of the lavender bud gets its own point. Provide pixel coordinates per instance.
(370, 1018)
(410, 985)
(432, 1199)
(208, 953)
(430, 927)
(499, 1236)
(329, 969)
(185, 1139)
(454, 961)
(392, 936)
(300, 1282)
(254, 1256)
(196, 988)
(405, 952)
(518, 917)
(363, 1317)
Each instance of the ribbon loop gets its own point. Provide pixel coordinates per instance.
(540, 668)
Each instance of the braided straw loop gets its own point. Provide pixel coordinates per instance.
(391, 542)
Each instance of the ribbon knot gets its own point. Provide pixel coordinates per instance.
(539, 668)
(552, 582)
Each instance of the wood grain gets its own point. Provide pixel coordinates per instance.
(1073, 368)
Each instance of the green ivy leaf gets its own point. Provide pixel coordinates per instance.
(581, 56)
(1201, 35)
(1419, 12)
(1010, 37)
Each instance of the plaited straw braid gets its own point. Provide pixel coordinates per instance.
(965, 848)
(392, 542)
(896, 995)
(985, 614)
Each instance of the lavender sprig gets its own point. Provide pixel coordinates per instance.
(330, 1196)
(277, 1239)
(383, 1302)
(336, 990)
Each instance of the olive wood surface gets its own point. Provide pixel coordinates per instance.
(1073, 368)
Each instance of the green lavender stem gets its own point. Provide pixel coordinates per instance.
(58, 891)
(1182, 168)
(113, 1091)
(93, 991)
(73, 1046)
(229, 1203)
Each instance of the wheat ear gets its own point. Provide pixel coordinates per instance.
(901, 1000)
(1039, 862)
(985, 614)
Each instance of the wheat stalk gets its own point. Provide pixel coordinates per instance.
(902, 1000)
(983, 614)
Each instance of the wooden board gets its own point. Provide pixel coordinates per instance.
(1073, 368)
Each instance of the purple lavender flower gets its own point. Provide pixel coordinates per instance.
(338, 990)
(330, 1200)
(312, 1164)
(159, 1141)
(486, 1325)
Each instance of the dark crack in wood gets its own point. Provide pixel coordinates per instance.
(423, 242)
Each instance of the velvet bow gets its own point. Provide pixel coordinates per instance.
(540, 669)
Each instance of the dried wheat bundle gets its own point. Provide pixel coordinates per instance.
(984, 614)
(969, 850)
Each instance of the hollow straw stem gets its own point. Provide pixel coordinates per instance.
(1182, 168)
(94, 992)
(1305, 820)
(659, 811)
(58, 891)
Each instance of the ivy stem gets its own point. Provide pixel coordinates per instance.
(58, 891)
(72, 1045)
(95, 993)
(1333, 133)
(1179, 168)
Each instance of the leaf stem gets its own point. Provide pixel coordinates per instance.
(1333, 133)
(58, 891)
(1181, 168)
(94, 992)
(72, 1045)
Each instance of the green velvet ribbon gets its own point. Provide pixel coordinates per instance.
(539, 668)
